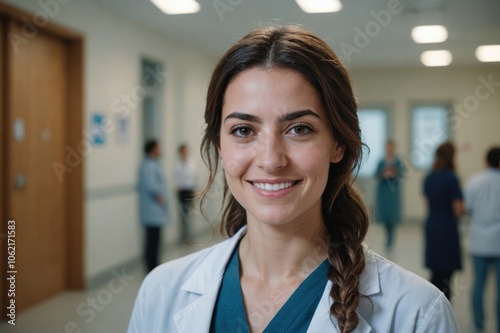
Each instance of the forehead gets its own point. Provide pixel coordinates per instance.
(270, 89)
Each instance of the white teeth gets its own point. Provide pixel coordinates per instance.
(272, 187)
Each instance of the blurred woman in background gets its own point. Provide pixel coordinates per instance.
(445, 205)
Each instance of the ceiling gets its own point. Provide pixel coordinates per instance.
(221, 22)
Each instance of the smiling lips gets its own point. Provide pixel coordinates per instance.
(273, 187)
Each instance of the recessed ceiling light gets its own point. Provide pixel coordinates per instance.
(174, 7)
(429, 34)
(319, 6)
(488, 53)
(436, 58)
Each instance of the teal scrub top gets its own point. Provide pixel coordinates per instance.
(295, 316)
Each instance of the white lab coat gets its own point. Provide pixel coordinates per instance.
(179, 296)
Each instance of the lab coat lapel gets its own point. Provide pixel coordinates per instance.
(204, 285)
(369, 285)
(323, 322)
(197, 316)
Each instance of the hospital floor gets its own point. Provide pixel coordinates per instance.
(70, 312)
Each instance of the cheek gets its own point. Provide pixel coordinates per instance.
(235, 161)
(318, 167)
(316, 164)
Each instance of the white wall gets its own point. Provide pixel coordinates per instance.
(472, 131)
(113, 51)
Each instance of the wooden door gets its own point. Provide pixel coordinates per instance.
(37, 106)
(41, 120)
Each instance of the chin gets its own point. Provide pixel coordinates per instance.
(272, 219)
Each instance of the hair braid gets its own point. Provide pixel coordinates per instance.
(346, 231)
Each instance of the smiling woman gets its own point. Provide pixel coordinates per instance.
(277, 147)
(281, 121)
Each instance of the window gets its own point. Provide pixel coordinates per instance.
(429, 128)
(373, 123)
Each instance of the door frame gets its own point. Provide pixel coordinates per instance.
(74, 180)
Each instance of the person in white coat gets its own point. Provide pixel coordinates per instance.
(185, 175)
(482, 201)
(281, 121)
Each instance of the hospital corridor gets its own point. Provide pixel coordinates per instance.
(137, 132)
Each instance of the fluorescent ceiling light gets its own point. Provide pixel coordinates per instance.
(436, 58)
(429, 34)
(488, 53)
(174, 7)
(319, 6)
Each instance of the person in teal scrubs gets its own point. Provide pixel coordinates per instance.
(281, 124)
(388, 209)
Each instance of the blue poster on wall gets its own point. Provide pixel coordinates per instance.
(123, 126)
(97, 129)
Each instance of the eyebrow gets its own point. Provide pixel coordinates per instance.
(284, 118)
(243, 116)
(297, 114)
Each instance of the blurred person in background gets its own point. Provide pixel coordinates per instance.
(445, 205)
(153, 209)
(388, 207)
(185, 180)
(482, 201)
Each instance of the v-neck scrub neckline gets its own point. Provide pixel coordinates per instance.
(294, 316)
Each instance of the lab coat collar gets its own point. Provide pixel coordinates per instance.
(206, 280)
(212, 269)
(369, 285)
(322, 323)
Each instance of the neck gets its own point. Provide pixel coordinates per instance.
(277, 253)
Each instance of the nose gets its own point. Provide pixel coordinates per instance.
(271, 152)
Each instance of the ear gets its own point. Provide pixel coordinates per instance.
(337, 153)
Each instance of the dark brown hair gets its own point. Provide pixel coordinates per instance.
(150, 145)
(444, 160)
(493, 157)
(344, 214)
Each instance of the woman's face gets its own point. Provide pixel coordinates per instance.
(276, 145)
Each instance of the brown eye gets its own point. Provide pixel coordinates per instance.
(242, 131)
(300, 130)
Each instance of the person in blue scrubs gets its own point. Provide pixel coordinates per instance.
(442, 190)
(153, 209)
(281, 122)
